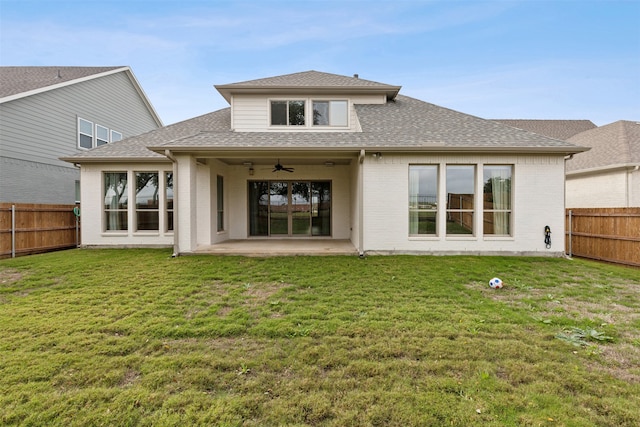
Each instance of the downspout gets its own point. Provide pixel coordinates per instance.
(361, 204)
(176, 247)
(566, 158)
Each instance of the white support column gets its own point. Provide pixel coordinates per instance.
(186, 203)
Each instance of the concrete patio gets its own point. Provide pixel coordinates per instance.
(280, 247)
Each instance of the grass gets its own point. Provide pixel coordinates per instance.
(134, 337)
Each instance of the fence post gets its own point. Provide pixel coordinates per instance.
(570, 230)
(13, 231)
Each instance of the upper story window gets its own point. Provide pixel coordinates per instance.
(92, 135)
(115, 136)
(85, 134)
(102, 135)
(288, 113)
(330, 113)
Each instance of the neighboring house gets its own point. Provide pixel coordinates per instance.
(314, 155)
(47, 112)
(608, 175)
(558, 129)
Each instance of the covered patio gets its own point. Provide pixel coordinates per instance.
(280, 247)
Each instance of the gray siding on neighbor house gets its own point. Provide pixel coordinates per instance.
(31, 182)
(40, 128)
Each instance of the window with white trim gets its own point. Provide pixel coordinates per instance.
(147, 201)
(497, 200)
(102, 135)
(92, 135)
(115, 136)
(330, 113)
(288, 113)
(461, 184)
(115, 193)
(220, 202)
(168, 185)
(85, 133)
(423, 200)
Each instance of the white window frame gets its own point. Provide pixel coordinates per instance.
(116, 136)
(101, 141)
(508, 211)
(288, 101)
(81, 133)
(331, 101)
(112, 135)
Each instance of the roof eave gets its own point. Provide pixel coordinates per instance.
(601, 169)
(81, 160)
(435, 148)
(227, 91)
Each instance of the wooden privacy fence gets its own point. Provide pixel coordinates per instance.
(33, 228)
(605, 234)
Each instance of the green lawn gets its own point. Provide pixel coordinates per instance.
(134, 337)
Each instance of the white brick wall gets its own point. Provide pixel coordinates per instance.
(602, 190)
(91, 195)
(538, 201)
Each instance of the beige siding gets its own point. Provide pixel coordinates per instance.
(250, 113)
(538, 201)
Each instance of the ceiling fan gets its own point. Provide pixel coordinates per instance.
(278, 167)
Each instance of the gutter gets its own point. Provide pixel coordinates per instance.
(176, 246)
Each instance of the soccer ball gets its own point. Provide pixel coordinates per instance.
(495, 283)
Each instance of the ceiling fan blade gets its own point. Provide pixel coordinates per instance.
(288, 169)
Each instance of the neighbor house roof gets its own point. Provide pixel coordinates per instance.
(315, 81)
(20, 82)
(406, 124)
(558, 129)
(614, 145)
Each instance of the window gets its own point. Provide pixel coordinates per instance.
(287, 113)
(115, 201)
(460, 199)
(169, 200)
(85, 134)
(102, 135)
(330, 113)
(497, 200)
(220, 203)
(77, 191)
(423, 199)
(147, 201)
(115, 136)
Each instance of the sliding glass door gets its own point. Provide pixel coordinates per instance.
(289, 208)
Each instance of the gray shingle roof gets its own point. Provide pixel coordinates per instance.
(308, 79)
(315, 81)
(406, 124)
(16, 80)
(136, 147)
(617, 143)
(558, 129)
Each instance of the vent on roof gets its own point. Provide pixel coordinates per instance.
(356, 76)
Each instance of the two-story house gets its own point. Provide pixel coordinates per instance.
(48, 112)
(317, 156)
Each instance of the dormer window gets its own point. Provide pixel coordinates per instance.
(330, 113)
(288, 113)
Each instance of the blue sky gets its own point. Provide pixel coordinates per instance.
(531, 59)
